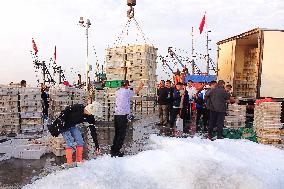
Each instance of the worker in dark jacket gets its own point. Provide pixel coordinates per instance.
(164, 100)
(180, 105)
(201, 109)
(217, 99)
(45, 101)
(66, 125)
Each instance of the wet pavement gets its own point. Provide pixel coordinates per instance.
(15, 173)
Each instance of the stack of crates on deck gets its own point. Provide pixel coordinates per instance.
(101, 97)
(9, 111)
(267, 123)
(78, 96)
(110, 102)
(62, 96)
(246, 81)
(60, 99)
(31, 110)
(139, 64)
(236, 116)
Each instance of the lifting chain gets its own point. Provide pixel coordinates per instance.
(125, 31)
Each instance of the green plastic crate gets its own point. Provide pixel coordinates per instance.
(113, 84)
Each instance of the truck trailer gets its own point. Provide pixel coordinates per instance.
(253, 63)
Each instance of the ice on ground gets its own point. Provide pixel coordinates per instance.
(179, 163)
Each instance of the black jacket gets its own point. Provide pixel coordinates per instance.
(177, 99)
(216, 99)
(73, 115)
(164, 96)
(45, 99)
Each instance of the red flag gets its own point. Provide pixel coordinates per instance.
(34, 46)
(201, 26)
(55, 54)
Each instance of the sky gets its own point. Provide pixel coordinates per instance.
(165, 23)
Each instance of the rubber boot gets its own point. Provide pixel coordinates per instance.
(69, 156)
(79, 154)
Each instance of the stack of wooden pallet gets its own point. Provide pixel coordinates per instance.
(9, 111)
(31, 110)
(267, 123)
(236, 116)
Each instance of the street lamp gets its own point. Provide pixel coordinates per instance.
(86, 24)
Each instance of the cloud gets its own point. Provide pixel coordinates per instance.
(166, 23)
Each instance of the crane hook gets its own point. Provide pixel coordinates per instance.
(130, 13)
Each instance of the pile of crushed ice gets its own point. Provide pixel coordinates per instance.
(183, 163)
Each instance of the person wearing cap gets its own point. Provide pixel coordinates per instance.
(67, 122)
(217, 99)
(122, 110)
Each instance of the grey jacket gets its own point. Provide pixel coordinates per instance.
(216, 99)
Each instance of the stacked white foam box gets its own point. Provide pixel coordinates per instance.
(236, 117)
(140, 62)
(78, 96)
(31, 110)
(267, 123)
(60, 99)
(9, 111)
(63, 96)
(110, 102)
(247, 80)
(101, 96)
(23, 149)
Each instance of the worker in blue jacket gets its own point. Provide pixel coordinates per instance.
(180, 105)
(201, 110)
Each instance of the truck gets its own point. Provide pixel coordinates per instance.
(253, 63)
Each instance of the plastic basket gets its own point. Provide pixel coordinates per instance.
(113, 84)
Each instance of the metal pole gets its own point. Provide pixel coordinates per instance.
(87, 66)
(207, 55)
(43, 71)
(192, 53)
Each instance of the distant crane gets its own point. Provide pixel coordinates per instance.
(165, 63)
(173, 55)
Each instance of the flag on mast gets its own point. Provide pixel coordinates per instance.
(55, 54)
(201, 26)
(34, 46)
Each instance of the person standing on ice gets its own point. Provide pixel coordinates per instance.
(217, 99)
(122, 110)
(163, 94)
(180, 105)
(67, 122)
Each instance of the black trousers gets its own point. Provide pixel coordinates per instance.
(45, 109)
(204, 113)
(216, 120)
(120, 126)
(184, 115)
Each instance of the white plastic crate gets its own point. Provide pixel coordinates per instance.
(29, 152)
